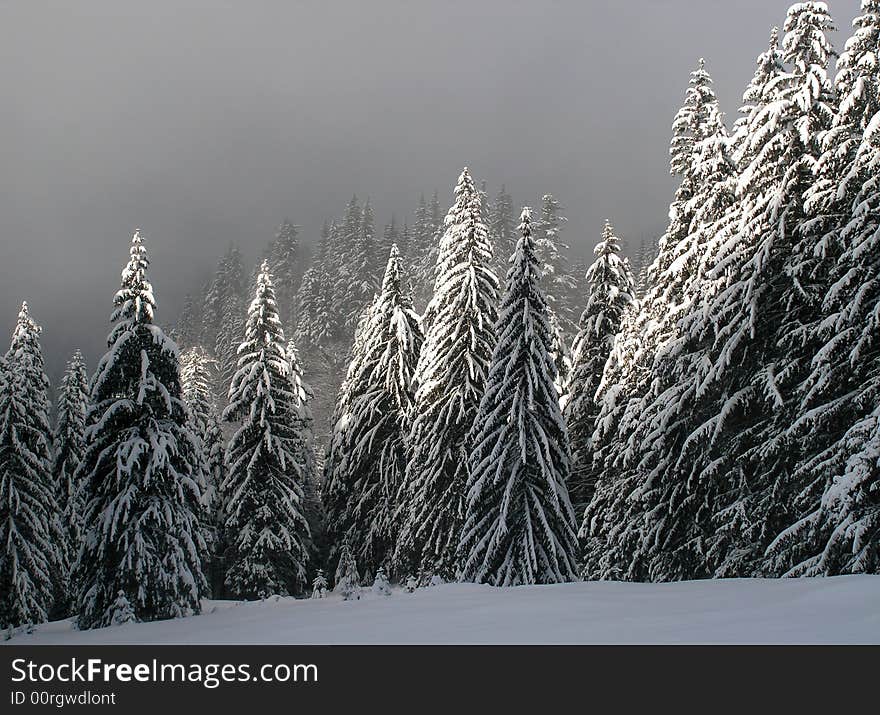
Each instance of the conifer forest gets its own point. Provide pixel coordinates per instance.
(457, 394)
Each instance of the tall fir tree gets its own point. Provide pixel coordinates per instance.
(520, 526)
(188, 329)
(285, 266)
(366, 458)
(227, 286)
(266, 461)
(198, 375)
(31, 555)
(837, 529)
(611, 292)
(612, 531)
(459, 327)
(67, 452)
(140, 470)
(502, 230)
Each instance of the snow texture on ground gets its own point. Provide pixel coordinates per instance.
(843, 610)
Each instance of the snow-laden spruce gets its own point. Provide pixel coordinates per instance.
(267, 461)
(838, 530)
(315, 324)
(284, 259)
(502, 230)
(628, 372)
(67, 450)
(198, 375)
(647, 328)
(227, 285)
(772, 290)
(31, 542)
(366, 457)
(559, 283)
(459, 326)
(140, 471)
(520, 526)
(611, 292)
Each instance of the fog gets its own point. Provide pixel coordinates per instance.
(209, 122)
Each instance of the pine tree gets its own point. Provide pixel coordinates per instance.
(320, 585)
(284, 265)
(366, 457)
(450, 381)
(381, 587)
(229, 337)
(776, 283)
(316, 324)
(68, 447)
(611, 292)
(197, 375)
(139, 471)
(121, 611)
(611, 528)
(266, 461)
(228, 285)
(347, 579)
(502, 230)
(188, 330)
(30, 558)
(559, 284)
(837, 529)
(520, 527)
(422, 257)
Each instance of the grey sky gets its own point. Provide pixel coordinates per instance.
(205, 122)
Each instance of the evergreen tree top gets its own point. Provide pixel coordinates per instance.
(806, 42)
(134, 301)
(857, 75)
(689, 124)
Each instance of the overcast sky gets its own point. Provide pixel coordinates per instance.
(205, 122)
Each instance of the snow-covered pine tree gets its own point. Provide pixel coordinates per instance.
(422, 255)
(121, 612)
(188, 330)
(776, 281)
(381, 587)
(838, 528)
(647, 252)
(265, 460)
(229, 337)
(502, 230)
(390, 237)
(559, 284)
(347, 581)
(139, 471)
(320, 585)
(660, 521)
(68, 446)
(228, 284)
(611, 292)
(31, 543)
(436, 214)
(197, 375)
(450, 380)
(354, 261)
(646, 329)
(284, 264)
(316, 323)
(520, 525)
(768, 68)
(366, 458)
(313, 508)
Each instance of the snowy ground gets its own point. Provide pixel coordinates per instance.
(832, 610)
